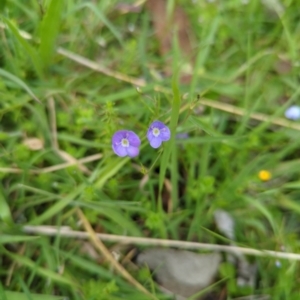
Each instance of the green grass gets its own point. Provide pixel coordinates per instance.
(244, 55)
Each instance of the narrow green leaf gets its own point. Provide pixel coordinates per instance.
(2, 292)
(173, 124)
(46, 273)
(116, 216)
(19, 82)
(49, 31)
(30, 50)
(79, 141)
(286, 203)
(84, 264)
(217, 139)
(58, 206)
(109, 171)
(204, 126)
(263, 209)
(103, 19)
(174, 178)
(5, 239)
(5, 214)
(20, 296)
(2, 5)
(25, 288)
(204, 52)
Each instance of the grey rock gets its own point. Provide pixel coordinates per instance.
(183, 273)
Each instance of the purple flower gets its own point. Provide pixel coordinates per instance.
(125, 142)
(157, 133)
(293, 113)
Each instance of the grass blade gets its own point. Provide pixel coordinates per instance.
(31, 52)
(5, 214)
(103, 19)
(20, 296)
(6, 239)
(19, 82)
(109, 171)
(49, 31)
(173, 123)
(2, 292)
(59, 206)
(46, 273)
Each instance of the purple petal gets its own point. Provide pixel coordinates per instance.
(157, 124)
(133, 139)
(155, 142)
(119, 135)
(119, 150)
(150, 134)
(165, 134)
(132, 151)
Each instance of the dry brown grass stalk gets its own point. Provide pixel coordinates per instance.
(98, 244)
(51, 231)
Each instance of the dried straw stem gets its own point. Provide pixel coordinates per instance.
(65, 232)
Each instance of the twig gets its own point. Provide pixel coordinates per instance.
(13, 266)
(52, 120)
(53, 168)
(51, 231)
(101, 247)
(255, 116)
(70, 159)
(97, 67)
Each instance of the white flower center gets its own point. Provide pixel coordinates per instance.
(156, 132)
(125, 143)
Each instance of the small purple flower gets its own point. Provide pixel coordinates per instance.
(125, 142)
(157, 133)
(293, 113)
